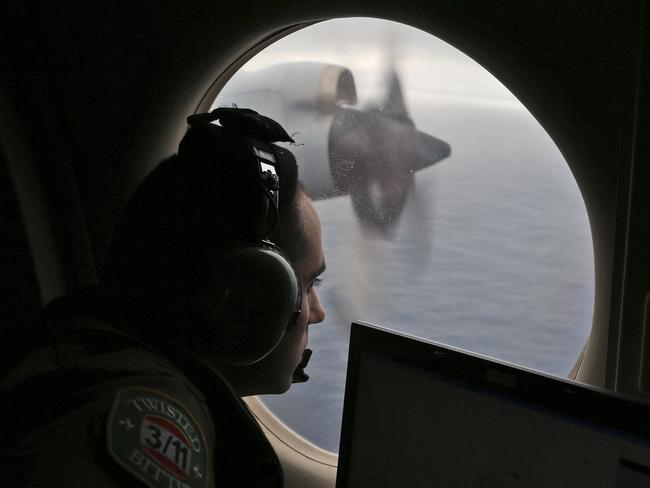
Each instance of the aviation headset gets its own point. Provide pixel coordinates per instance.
(255, 293)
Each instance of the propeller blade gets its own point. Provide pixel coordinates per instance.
(428, 151)
(394, 105)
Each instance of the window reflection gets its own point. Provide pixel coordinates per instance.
(447, 211)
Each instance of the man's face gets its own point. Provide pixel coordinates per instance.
(275, 371)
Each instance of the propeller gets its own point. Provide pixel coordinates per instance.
(371, 153)
(375, 154)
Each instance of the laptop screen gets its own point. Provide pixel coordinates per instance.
(421, 414)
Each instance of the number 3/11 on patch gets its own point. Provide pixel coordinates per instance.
(163, 441)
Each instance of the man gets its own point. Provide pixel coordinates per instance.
(138, 381)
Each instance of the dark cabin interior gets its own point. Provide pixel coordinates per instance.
(93, 94)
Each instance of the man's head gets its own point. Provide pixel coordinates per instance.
(171, 263)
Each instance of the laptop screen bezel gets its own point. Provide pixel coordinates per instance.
(585, 403)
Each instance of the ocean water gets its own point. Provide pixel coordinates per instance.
(493, 254)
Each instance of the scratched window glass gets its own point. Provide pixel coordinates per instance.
(447, 211)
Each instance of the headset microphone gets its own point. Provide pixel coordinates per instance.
(299, 375)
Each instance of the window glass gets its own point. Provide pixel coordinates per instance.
(447, 211)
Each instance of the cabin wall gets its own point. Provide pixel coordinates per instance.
(633, 360)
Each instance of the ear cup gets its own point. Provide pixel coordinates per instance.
(255, 297)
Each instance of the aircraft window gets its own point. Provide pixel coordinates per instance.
(447, 210)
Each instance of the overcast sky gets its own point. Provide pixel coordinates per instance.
(365, 46)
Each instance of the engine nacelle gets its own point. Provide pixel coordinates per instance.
(304, 98)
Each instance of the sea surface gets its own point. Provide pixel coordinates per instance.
(493, 254)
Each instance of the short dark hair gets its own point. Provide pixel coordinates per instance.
(290, 235)
(185, 215)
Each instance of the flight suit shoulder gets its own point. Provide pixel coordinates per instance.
(123, 417)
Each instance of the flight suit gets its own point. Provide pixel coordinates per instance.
(92, 406)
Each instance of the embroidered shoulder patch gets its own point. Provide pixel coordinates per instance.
(156, 438)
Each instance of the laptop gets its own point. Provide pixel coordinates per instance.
(422, 414)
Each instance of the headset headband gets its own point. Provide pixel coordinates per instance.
(269, 180)
(258, 132)
(244, 122)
